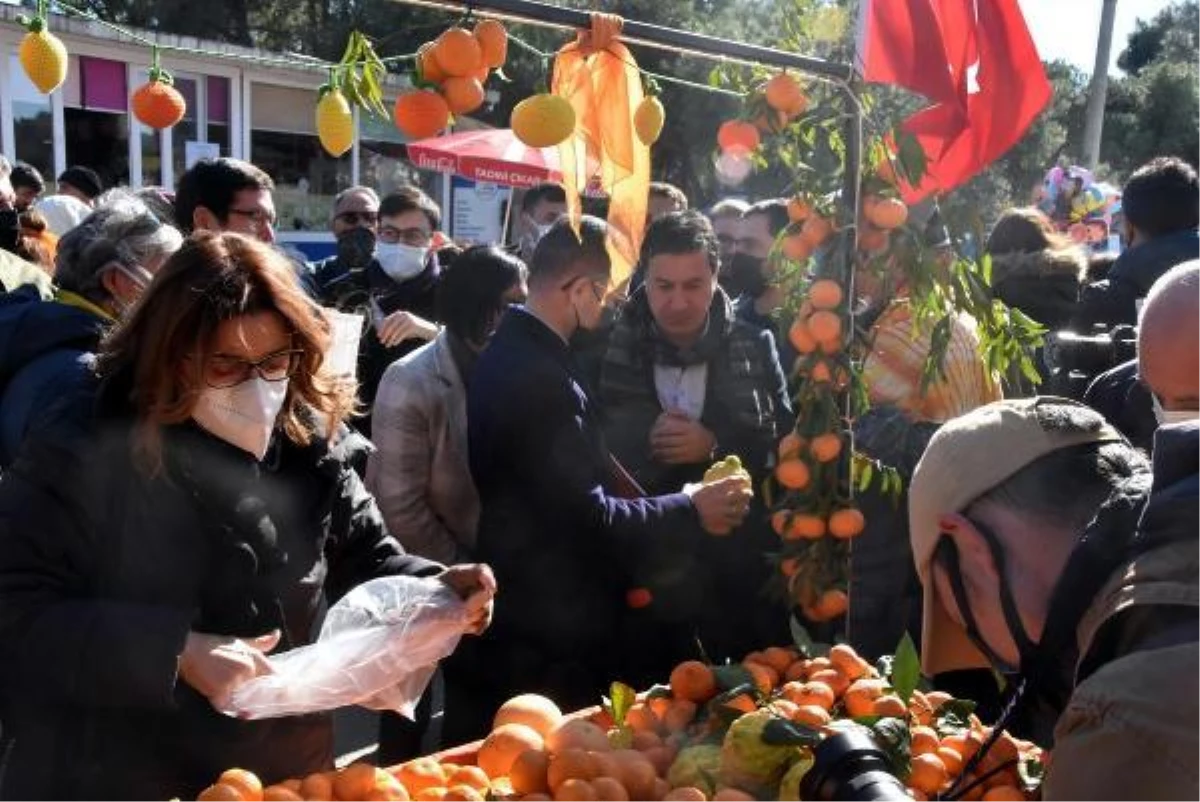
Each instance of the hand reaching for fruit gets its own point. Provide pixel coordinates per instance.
(476, 585)
(215, 665)
(721, 504)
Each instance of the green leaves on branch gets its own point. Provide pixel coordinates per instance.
(360, 75)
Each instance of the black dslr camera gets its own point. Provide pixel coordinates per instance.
(850, 765)
(1074, 360)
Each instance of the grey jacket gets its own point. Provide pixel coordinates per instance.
(419, 474)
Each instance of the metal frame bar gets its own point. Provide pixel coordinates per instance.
(642, 33)
(533, 12)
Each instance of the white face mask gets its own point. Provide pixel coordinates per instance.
(401, 262)
(533, 235)
(242, 415)
(1166, 417)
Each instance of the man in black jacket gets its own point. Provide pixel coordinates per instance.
(565, 547)
(683, 382)
(1161, 204)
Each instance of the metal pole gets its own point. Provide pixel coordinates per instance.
(1094, 116)
(642, 33)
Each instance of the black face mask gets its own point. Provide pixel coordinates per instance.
(356, 248)
(743, 276)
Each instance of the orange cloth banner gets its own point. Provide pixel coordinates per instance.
(599, 77)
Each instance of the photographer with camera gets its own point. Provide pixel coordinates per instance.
(1138, 398)
(1046, 553)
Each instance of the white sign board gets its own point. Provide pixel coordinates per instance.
(478, 210)
(195, 151)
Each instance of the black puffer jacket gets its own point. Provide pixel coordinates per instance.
(104, 571)
(1043, 284)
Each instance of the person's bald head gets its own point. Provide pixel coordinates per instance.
(1169, 338)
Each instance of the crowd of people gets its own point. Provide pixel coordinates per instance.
(186, 484)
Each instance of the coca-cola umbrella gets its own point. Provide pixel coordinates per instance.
(493, 156)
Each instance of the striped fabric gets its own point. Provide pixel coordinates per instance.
(893, 368)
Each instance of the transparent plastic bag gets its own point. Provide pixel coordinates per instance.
(378, 648)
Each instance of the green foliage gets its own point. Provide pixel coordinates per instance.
(1171, 36)
(906, 669)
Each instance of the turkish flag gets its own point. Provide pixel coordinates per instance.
(975, 60)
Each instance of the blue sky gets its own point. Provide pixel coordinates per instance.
(1067, 29)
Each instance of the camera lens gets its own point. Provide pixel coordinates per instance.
(849, 765)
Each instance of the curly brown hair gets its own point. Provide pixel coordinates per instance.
(164, 344)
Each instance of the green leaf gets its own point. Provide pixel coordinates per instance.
(1032, 772)
(893, 736)
(953, 716)
(621, 698)
(800, 637)
(780, 731)
(733, 677)
(906, 668)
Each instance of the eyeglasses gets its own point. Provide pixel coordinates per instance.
(599, 288)
(222, 371)
(417, 237)
(357, 218)
(257, 217)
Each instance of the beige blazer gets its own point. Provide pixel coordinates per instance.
(419, 473)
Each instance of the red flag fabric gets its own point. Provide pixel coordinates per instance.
(906, 43)
(1000, 84)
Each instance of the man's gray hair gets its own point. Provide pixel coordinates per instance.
(358, 190)
(121, 230)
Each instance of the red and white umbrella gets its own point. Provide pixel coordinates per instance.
(493, 156)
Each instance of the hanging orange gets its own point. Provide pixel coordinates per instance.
(739, 135)
(158, 104)
(831, 604)
(805, 527)
(847, 523)
(825, 325)
(792, 474)
(463, 95)
(421, 113)
(798, 209)
(817, 230)
(826, 447)
(801, 338)
(784, 94)
(493, 43)
(458, 52)
(885, 213)
(428, 68)
(790, 446)
(825, 294)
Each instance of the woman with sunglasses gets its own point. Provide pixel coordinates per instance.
(148, 564)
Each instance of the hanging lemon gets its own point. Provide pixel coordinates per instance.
(335, 123)
(43, 56)
(648, 119)
(543, 121)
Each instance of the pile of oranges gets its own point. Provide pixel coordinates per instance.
(451, 73)
(534, 752)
